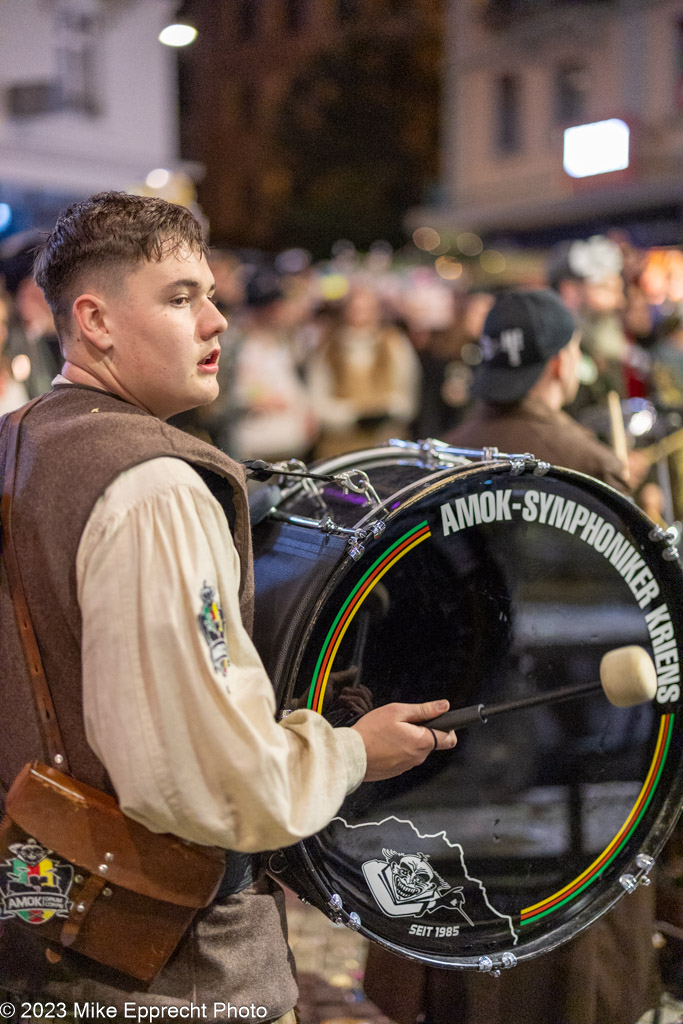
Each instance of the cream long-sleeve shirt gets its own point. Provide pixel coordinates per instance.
(183, 722)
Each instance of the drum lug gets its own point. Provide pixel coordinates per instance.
(356, 550)
(336, 907)
(517, 467)
(284, 713)
(488, 966)
(353, 922)
(670, 537)
(645, 863)
(541, 468)
(628, 883)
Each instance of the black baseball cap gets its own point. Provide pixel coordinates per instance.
(17, 256)
(522, 332)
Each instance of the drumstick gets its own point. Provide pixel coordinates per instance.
(627, 678)
(618, 430)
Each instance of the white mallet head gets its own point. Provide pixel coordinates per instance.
(628, 676)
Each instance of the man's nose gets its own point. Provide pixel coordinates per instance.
(213, 322)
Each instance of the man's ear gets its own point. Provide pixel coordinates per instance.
(90, 315)
(555, 365)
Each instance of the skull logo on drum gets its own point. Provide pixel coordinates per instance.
(406, 885)
(412, 876)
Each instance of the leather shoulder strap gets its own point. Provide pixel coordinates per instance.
(49, 726)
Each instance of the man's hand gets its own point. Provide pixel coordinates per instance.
(395, 742)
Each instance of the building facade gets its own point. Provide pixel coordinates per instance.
(243, 68)
(520, 73)
(88, 101)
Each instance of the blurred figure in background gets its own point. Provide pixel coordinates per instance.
(589, 278)
(364, 379)
(273, 417)
(32, 331)
(445, 343)
(12, 392)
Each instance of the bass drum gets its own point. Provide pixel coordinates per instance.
(482, 582)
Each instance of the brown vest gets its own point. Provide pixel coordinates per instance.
(75, 442)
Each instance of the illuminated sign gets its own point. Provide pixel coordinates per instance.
(596, 148)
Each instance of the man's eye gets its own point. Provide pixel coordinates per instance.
(180, 300)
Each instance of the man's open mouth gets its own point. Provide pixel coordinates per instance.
(212, 358)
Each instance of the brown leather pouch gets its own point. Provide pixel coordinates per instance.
(76, 869)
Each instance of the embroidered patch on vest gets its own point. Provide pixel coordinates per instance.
(33, 885)
(212, 626)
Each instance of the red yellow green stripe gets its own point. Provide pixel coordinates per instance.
(348, 610)
(558, 899)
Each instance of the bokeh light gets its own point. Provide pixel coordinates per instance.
(158, 178)
(21, 368)
(334, 287)
(178, 35)
(448, 268)
(469, 244)
(492, 261)
(5, 216)
(426, 239)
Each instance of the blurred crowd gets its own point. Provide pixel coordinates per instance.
(320, 359)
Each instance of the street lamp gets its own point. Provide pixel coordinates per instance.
(178, 35)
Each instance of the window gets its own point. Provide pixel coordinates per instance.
(508, 128)
(571, 88)
(347, 10)
(296, 15)
(250, 16)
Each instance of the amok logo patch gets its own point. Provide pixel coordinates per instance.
(406, 885)
(212, 625)
(33, 885)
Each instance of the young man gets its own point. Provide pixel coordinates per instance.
(129, 535)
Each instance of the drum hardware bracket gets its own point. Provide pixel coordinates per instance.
(669, 536)
(630, 882)
(358, 481)
(488, 966)
(327, 525)
(340, 916)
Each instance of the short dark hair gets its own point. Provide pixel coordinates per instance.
(110, 231)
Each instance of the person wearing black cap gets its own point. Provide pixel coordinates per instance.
(528, 373)
(608, 975)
